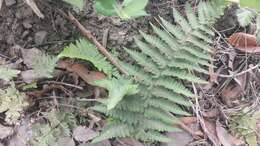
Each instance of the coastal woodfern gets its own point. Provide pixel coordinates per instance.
(164, 62)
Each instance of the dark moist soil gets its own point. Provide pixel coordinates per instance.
(20, 26)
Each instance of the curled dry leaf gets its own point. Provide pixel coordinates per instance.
(244, 42)
(232, 92)
(87, 75)
(225, 138)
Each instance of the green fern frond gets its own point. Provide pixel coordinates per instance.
(167, 94)
(173, 85)
(132, 103)
(167, 105)
(202, 35)
(119, 114)
(43, 65)
(137, 73)
(173, 55)
(117, 89)
(158, 43)
(159, 114)
(83, 49)
(166, 37)
(244, 16)
(184, 64)
(152, 136)
(153, 53)
(184, 75)
(114, 130)
(144, 61)
(185, 26)
(197, 52)
(7, 73)
(158, 125)
(175, 30)
(183, 54)
(191, 16)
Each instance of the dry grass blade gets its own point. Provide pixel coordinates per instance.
(34, 7)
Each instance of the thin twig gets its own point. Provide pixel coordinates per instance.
(86, 33)
(65, 84)
(238, 74)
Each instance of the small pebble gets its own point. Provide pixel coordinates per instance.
(39, 37)
(27, 24)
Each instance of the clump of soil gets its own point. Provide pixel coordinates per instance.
(20, 26)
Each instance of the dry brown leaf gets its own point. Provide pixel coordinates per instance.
(83, 134)
(225, 138)
(190, 133)
(23, 134)
(188, 120)
(211, 113)
(66, 141)
(232, 92)
(209, 129)
(244, 42)
(5, 131)
(87, 75)
(131, 142)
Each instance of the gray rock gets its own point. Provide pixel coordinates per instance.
(10, 2)
(27, 24)
(39, 37)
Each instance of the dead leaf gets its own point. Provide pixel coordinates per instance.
(179, 139)
(5, 131)
(29, 76)
(83, 134)
(232, 92)
(209, 129)
(87, 75)
(34, 7)
(244, 42)
(102, 143)
(23, 134)
(188, 120)
(225, 138)
(211, 113)
(29, 55)
(131, 142)
(66, 141)
(1, 3)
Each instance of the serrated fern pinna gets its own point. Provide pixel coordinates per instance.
(165, 60)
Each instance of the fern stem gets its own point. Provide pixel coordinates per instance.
(86, 33)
